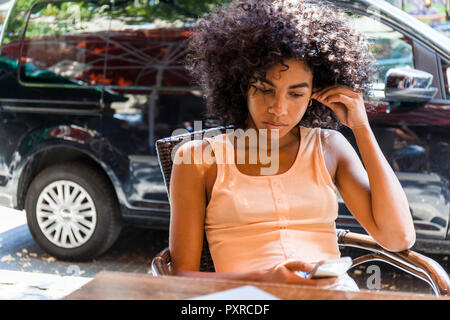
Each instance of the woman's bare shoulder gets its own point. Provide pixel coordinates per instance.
(195, 156)
(337, 150)
(333, 141)
(189, 173)
(333, 145)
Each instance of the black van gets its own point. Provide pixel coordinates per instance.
(87, 87)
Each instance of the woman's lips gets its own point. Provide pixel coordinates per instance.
(274, 126)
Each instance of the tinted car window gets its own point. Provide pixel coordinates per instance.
(145, 65)
(446, 74)
(65, 44)
(391, 48)
(147, 43)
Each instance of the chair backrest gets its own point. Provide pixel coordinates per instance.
(165, 151)
(165, 148)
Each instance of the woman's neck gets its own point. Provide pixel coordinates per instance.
(264, 141)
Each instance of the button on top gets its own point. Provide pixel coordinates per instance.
(283, 223)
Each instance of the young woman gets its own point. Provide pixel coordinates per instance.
(292, 71)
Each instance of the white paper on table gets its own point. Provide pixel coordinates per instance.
(21, 285)
(240, 293)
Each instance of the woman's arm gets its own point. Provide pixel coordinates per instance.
(188, 207)
(374, 194)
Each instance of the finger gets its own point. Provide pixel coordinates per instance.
(340, 110)
(324, 90)
(322, 94)
(322, 282)
(335, 103)
(319, 282)
(333, 92)
(347, 101)
(296, 265)
(349, 90)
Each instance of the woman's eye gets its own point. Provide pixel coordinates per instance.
(265, 91)
(271, 91)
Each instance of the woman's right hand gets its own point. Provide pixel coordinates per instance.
(285, 273)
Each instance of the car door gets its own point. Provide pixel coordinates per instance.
(413, 137)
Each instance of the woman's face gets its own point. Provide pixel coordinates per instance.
(280, 101)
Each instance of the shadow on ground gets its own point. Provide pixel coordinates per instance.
(132, 252)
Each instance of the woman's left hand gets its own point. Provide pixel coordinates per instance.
(347, 103)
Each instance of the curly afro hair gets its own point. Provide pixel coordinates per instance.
(235, 44)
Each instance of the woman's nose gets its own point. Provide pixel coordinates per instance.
(278, 108)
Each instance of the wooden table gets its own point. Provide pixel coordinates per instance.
(133, 286)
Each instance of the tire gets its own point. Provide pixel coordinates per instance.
(72, 212)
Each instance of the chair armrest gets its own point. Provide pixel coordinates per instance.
(161, 264)
(409, 261)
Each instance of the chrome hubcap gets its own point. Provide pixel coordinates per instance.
(66, 214)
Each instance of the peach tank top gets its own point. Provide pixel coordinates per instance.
(258, 222)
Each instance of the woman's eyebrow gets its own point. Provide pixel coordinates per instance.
(300, 85)
(294, 86)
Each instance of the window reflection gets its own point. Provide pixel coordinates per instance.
(145, 64)
(65, 43)
(147, 118)
(147, 58)
(390, 48)
(446, 74)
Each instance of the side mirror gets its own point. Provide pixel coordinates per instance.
(406, 84)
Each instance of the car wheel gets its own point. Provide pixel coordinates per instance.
(72, 212)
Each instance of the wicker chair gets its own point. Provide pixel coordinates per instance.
(409, 261)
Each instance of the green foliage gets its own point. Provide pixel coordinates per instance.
(66, 17)
(15, 24)
(135, 11)
(168, 10)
